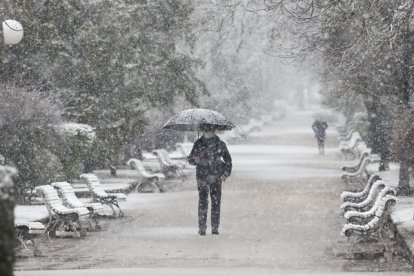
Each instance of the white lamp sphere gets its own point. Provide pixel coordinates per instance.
(12, 32)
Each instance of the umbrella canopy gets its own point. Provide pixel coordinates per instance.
(192, 119)
(325, 116)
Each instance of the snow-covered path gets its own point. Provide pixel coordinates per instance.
(280, 211)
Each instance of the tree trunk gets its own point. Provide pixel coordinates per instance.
(379, 131)
(7, 231)
(404, 178)
(371, 107)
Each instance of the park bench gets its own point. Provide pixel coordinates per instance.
(150, 161)
(67, 194)
(100, 195)
(151, 180)
(167, 158)
(349, 137)
(354, 168)
(345, 134)
(376, 188)
(351, 143)
(376, 225)
(369, 223)
(60, 215)
(348, 196)
(29, 227)
(168, 169)
(354, 216)
(26, 231)
(359, 171)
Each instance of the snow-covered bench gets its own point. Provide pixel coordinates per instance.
(359, 171)
(26, 231)
(345, 134)
(349, 196)
(372, 228)
(67, 194)
(60, 215)
(150, 179)
(364, 205)
(354, 168)
(354, 216)
(100, 195)
(168, 169)
(167, 158)
(30, 227)
(366, 220)
(348, 146)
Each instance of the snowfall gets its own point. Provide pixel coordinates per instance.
(280, 213)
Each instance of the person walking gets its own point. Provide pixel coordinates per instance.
(213, 165)
(319, 127)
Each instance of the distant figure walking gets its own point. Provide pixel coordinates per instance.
(319, 127)
(213, 163)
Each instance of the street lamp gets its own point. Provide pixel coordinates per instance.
(12, 32)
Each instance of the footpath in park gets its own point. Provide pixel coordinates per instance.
(280, 213)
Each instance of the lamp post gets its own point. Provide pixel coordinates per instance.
(12, 34)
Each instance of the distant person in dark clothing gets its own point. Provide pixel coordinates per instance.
(213, 165)
(319, 127)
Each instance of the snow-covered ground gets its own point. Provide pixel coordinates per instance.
(280, 213)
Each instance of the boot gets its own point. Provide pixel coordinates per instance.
(202, 231)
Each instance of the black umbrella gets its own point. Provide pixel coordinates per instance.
(192, 119)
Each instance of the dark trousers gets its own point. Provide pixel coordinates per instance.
(321, 144)
(210, 186)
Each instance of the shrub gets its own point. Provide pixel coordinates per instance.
(76, 143)
(26, 137)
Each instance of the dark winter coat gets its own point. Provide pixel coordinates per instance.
(215, 158)
(319, 128)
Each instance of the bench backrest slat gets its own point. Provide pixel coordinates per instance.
(166, 155)
(161, 158)
(379, 184)
(137, 164)
(94, 185)
(385, 200)
(52, 199)
(68, 194)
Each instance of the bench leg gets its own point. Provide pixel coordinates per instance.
(52, 226)
(111, 202)
(94, 218)
(76, 227)
(93, 224)
(120, 214)
(151, 183)
(22, 234)
(113, 209)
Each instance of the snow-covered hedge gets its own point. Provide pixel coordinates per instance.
(70, 130)
(77, 141)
